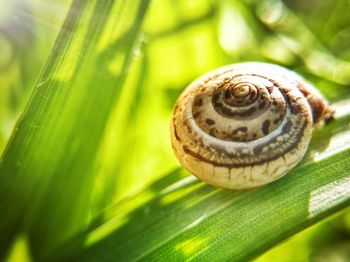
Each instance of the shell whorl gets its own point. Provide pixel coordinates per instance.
(245, 125)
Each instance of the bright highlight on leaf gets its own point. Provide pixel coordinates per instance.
(328, 196)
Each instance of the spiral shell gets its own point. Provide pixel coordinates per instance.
(245, 125)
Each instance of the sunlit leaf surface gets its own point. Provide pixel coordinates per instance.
(192, 220)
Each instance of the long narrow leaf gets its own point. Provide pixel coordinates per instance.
(190, 220)
(48, 168)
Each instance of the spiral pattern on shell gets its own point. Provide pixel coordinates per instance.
(245, 125)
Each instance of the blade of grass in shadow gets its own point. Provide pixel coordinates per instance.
(48, 168)
(186, 219)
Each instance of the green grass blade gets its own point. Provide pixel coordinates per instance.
(187, 219)
(48, 169)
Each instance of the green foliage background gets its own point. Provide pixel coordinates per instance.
(88, 173)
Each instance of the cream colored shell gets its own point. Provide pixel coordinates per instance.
(245, 125)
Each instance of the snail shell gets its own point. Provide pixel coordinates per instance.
(245, 125)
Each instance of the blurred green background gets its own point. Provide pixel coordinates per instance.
(181, 40)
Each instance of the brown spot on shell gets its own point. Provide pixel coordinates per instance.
(262, 105)
(196, 115)
(278, 120)
(287, 127)
(296, 109)
(266, 127)
(213, 131)
(227, 94)
(209, 121)
(218, 105)
(216, 96)
(198, 102)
